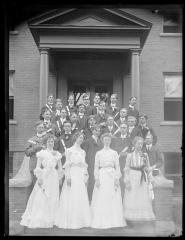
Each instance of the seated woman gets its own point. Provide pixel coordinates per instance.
(74, 209)
(137, 201)
(44, 199)
(107, 208)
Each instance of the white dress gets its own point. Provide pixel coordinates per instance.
(74, 209)
(43, 201)
(106, 205)
(137, 202)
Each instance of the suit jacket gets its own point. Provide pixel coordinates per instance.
(88, 110)
(101, 120)
(155, 155)
(35, 144)
(76, 128)
(93, 110)
(119, 144)
(114, 112)
(82, 122)
(145, 130)
(88, 132)
(134, 113)
(47, 107)
(135, 132)
(59, 126)
(59, 146)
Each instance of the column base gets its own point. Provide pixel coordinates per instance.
(165, 228)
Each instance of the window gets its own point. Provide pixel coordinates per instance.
(172, 23)
(11, 94)
(173, 97)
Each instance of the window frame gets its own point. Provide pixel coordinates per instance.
(173, 99)
(12, 120)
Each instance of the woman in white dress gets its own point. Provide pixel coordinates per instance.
(44, 199)
(137, 202)
(106, 206)
(74, 209)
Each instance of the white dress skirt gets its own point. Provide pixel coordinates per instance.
(137, 203)
(43, 201)
(74, 209)
(106, 205)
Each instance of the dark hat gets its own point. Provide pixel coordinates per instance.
(143, 115)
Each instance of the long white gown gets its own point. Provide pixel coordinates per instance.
(137, 202)
(74, 209)
(106, 205)
(43, 201)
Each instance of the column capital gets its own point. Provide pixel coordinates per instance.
(135, 51)
(44, 50)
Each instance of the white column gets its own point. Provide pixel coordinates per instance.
(44, 71)
(135, 75)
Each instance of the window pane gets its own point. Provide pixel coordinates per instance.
(11, 107)
(173, 110)
(173, 86)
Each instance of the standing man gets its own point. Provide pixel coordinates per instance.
(91, 146)
(122, 145)
(60, 123)
(113, 109)
(155, 155)
(86, 102)
(75, 125)
(110, 127)
(65, 140)
(71, 107)
(122, 116)
(49, 127)
(132, 111)
(101, 116)
(133, 130)
(96, 101)
(58, 107)
(145, 129)
(82, 117)
(49, 106)
(90, 126)
(35, 144)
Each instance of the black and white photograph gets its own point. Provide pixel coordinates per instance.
(95, 120)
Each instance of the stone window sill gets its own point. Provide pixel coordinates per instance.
(170, 34)
(12, 122)
(171, 123)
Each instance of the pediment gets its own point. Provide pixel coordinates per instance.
(89, 18)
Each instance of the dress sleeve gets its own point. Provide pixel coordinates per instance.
(117, 167)
(127, 168)
(96, 166)
(38, 171)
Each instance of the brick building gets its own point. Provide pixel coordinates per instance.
(130, 51)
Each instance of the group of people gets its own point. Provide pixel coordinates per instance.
(91, 166)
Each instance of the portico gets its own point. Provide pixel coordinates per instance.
(83, 49)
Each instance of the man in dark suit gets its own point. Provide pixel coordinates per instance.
(86, 102)
(60, 123)
(35, 144)
(96, 101)
(91, 146)
(71, 107)
(132, 111)
(90, 125)
(75, 125)
(145, 129)
(49, 106)
(122, 144)
(113, 109)
(49, 127)
(57, 112)
(101, 116)
(133, 130)
(122, 117)
(111, 127)
(65, 140)
(155, 155)
(82, 118)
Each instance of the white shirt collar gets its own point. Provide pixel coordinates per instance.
(148, 146)
(46, 121)
(123, 136)
(95, 138)
(41, 134)
(70, 105)
(132, 107)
